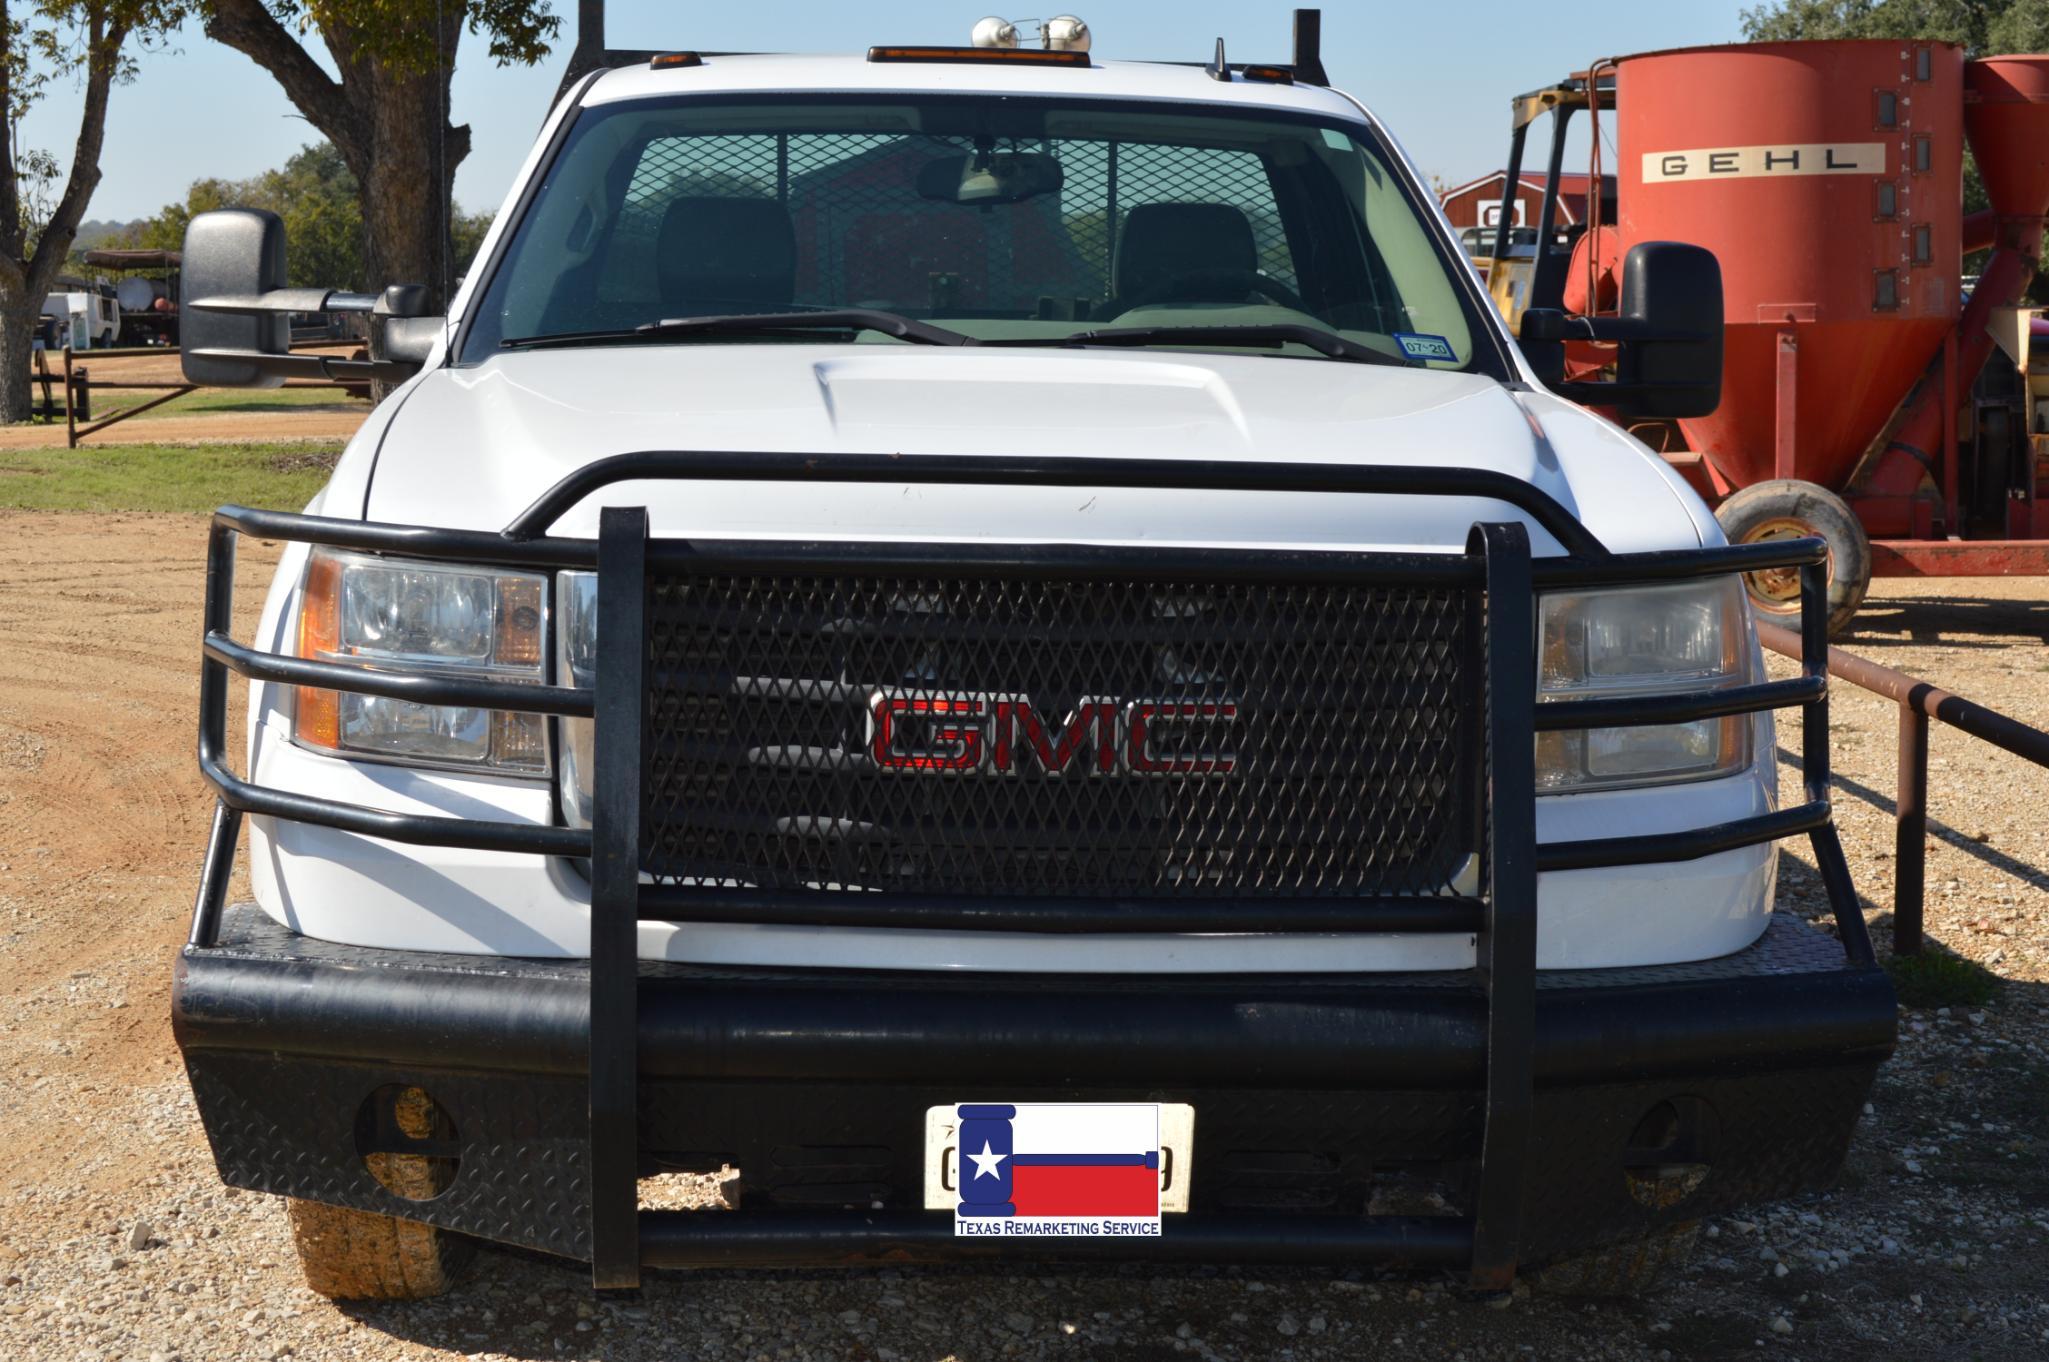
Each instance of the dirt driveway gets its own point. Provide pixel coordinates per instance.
(117, 1242)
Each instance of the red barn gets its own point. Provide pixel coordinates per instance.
(1477, 203)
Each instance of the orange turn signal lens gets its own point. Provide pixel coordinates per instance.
(517, 641)
(988, 56)
(318, 721)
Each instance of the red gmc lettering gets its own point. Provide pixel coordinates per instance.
(947, 731)
(1006, 735)
(1092, 720)
(1143, 718)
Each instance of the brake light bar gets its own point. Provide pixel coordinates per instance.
(997, 56)
(670, 61)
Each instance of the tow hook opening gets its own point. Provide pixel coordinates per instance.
(1670, 1152)
(408, 1142)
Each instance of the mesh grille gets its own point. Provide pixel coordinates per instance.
(866, 236)
(1036, 737)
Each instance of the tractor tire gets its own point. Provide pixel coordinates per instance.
(350, 1255)
(1626, 1270)
(1786, 508)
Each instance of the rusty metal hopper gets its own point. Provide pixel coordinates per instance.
(1826, 177)
(2006, 116)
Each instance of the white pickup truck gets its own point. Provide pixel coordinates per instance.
(910, 589)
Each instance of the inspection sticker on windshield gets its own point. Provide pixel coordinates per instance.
(1056, 1169)
(1425, 347)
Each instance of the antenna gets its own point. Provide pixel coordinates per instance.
(1219, 69)
(1309, 47)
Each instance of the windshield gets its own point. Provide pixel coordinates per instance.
(1018, 221)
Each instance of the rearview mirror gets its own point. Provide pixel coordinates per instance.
(1668, 333)
(232, 253)
(990, 177)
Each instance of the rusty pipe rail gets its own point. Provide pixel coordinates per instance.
(1918, 701)
(79, 384)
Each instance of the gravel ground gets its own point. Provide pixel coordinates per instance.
(117, 1241)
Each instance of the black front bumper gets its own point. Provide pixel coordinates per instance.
(1316, 1100)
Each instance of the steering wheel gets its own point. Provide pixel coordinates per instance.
(1215, 285)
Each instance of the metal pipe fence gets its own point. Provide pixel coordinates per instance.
(79, 385)
(1919, 701)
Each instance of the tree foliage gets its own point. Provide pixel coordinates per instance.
(318, 198)
(400, 33)
(381, 97)
(315, 195)
(38, 179)
(1981, 27)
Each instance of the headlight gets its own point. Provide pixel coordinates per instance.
(396, 615)
(1642, 641)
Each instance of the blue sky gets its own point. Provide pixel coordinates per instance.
(1439, 73)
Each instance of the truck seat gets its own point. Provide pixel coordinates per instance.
(726, 255)
(1165, 242)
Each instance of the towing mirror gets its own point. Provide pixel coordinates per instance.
(234, 253)
(236, 313)
(1668, 335)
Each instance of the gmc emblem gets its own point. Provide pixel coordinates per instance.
(1005, 735)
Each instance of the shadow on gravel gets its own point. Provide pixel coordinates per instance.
(1128, 1313)
(1946, 621)
(2033, 876)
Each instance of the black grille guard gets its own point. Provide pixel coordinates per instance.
(1497, 564)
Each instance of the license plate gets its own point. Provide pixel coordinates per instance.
(942, 1156)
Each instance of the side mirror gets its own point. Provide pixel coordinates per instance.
(236, 313)
(232, 253)
(1668, 334)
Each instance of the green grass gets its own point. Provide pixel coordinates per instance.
(107, 401)
(193, 478)
(1936, 979)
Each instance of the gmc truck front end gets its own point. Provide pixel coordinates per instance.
(1071, 740)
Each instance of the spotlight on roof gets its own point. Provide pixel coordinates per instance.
(1065, 33)
(995, 32)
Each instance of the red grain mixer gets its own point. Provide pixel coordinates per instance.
(1871, 393)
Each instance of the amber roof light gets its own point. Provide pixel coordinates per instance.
(987, 56)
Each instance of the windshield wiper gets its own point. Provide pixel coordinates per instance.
(755, 324)
(1327, 343)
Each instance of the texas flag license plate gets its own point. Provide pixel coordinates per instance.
(1058, 1169)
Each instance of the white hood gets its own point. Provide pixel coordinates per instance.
(471, 448)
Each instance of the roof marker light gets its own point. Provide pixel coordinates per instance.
(1012, 56)
(670, 61)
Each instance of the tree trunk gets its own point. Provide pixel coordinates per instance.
(406, 180)
(390, 126)
(26, 276)
(18, 313)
